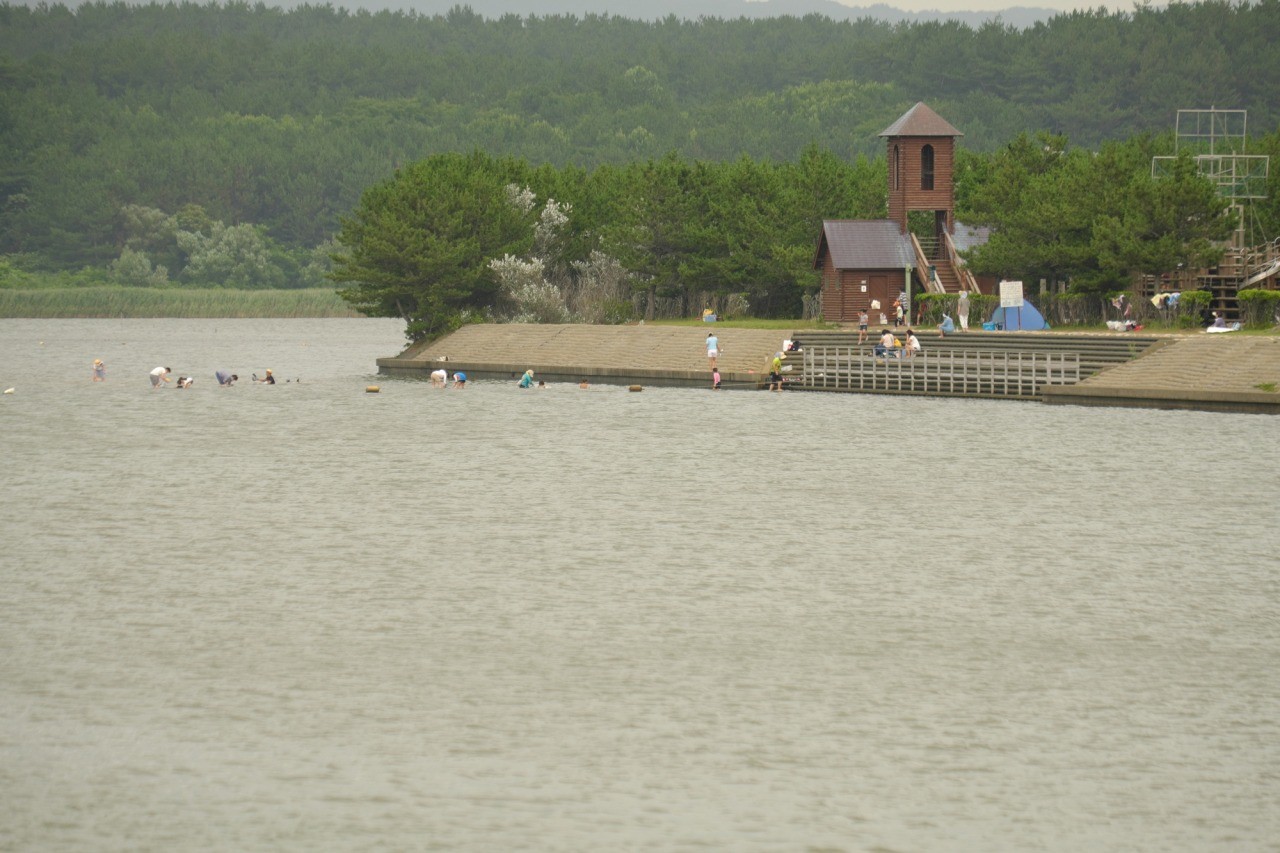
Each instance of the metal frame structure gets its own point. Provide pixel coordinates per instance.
(1217, 139)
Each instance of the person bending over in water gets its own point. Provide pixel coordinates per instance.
(526, 381)
(225, 378)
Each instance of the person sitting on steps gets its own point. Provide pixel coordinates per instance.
(886, 346)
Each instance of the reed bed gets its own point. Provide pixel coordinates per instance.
(142, 302)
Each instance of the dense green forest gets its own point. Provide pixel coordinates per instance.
(224, 144)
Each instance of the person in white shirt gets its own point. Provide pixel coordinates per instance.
(159, 376)
(913, 344)
(886, 345)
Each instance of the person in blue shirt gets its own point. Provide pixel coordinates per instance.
(526, 381)
(713, 348)
(947, 326)
(459, 380)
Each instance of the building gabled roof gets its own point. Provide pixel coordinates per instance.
(864, 244)
(968, 236)
(920, 121)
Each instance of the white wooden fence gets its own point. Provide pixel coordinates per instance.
(961, 371)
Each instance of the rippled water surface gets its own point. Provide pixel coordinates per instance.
(306, 617)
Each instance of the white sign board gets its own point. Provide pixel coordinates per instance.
(1010, 294)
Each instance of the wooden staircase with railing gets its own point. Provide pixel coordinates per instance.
(939, 268)
(1240, 269)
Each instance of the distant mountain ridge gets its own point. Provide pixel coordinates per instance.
(649, 10)
(1020, 17)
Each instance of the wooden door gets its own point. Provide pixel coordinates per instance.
(878, 290)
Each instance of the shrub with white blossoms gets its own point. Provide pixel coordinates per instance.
(542, 288)
(546, 234)
(525, 294)
(521, 198)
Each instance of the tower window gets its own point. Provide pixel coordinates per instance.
(926, 167)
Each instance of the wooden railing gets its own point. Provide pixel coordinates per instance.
(967, 281)
(931, 284)
(1261, 262)
(960, 372)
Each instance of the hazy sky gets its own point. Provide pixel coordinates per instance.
(988, 5)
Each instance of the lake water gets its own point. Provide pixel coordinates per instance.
(305, 617)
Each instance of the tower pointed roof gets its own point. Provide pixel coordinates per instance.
(920, 121)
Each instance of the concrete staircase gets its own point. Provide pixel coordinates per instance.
(1096, 352)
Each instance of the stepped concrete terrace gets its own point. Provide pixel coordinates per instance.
(1096, 350)
(1219, 372)
(998, 365)
(618, 355)
(1178, 371)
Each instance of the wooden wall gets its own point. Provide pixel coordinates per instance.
(906, 195)
(843, 297)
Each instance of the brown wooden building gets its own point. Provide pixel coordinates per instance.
(865, 261)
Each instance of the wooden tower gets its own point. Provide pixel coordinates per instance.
(921, 159)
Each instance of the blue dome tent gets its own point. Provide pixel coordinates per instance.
(1024, 319)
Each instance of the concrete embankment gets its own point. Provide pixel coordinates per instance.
(1221, 372)
(621, 355)
(1195, 371)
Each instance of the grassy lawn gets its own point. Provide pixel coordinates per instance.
(750, 323)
